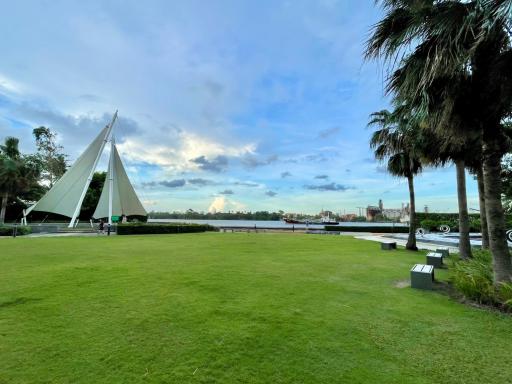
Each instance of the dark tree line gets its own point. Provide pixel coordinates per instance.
(193, 215)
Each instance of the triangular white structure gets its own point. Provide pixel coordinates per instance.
(118, 197)
(67, 195)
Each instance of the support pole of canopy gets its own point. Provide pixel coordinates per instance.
(111, 180)
(86, 186)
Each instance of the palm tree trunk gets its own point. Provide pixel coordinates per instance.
(483, 216)
(411, 240)
(5, 197)
(464, 244)
(502, 264)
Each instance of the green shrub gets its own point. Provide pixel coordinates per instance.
(430, 225)
(144, 229)
(452, 219)
(441, 217)
(505, 295)
(453, 224)
(8, 230)
(474, 279)
(475, 224)
(379, 229)
(434, 225)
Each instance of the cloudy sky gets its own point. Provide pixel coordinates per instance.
(252, 105)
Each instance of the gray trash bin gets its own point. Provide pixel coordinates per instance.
(444, 251)
(435, 259)
(422, 276)
(388, 245)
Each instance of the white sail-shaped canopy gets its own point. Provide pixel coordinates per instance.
(68, 192)
(124, 199)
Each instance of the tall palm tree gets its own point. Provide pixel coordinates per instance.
(9, 156)
(441, 144)
(394, 142)
(478, 171)
(459, 38)
(498, 9)
(10, 148)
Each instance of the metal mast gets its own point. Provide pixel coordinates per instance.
(111, 180)
(86, 186)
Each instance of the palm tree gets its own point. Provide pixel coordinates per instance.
(441, 146)
(498, 9)
(478, 172)
(394, 141)
(9, 156)
(17, 173)
(464, 242)
(459, 38)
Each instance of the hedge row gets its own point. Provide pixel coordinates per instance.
(434, 225)
(378, 229)
(420, 216)
(432, 221)
(145, 229)
(20, 231)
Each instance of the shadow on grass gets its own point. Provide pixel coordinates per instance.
(17, 301)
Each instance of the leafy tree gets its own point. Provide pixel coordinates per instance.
(92, 197)
(52, 159)
(18, 173)
(396, 141)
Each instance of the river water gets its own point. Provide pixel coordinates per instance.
(270, 224)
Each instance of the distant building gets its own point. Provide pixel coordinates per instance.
(348, 217)
(371, 212)
(326, 213)
(399, 214)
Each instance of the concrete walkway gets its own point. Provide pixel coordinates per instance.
(419, 244)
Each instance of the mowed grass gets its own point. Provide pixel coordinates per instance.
(234, 308)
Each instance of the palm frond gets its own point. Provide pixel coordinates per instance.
(10, 147)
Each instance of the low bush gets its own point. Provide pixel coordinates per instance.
(444, 217)
(474, 279)
(8, 231)
(433, 225)
(430, 225)
(379, 229)
(453, 224)
(146, 229)
(475, 224)
(452, 220)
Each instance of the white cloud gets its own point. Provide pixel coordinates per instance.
(11, 86)
(176, 156)
(217, 204)
(223, 204)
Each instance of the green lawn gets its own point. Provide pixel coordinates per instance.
(234, 308)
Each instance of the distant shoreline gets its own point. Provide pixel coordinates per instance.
(274, 224)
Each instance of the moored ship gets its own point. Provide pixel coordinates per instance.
(326, 220)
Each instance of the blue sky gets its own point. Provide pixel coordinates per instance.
(230, 105)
